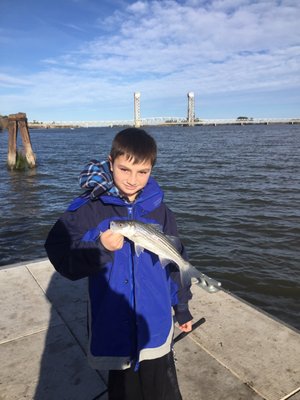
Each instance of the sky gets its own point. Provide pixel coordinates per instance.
(82, 60)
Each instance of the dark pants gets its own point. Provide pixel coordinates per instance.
(155, 380)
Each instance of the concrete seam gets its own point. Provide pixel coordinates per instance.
(248, 384)
(288, 396)
(22, 263)
(101, 395)
(65, 322)
(58, 312)
(25, 335)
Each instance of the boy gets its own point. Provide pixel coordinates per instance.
(130, 297)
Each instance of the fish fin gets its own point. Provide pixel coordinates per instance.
(175, 241)
(157, 227)
(138, 249)
(164, 261)
(187, 271)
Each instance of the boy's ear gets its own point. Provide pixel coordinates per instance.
(110, 163)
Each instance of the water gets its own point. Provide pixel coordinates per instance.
(235, 191)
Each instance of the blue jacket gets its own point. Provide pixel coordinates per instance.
(130, 297)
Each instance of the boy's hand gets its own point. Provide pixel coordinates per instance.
(112, 241)
(187, 327)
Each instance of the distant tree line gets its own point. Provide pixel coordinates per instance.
(242, 118)
(3, 122)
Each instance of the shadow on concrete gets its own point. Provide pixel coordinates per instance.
(64, 373)
(64, 370)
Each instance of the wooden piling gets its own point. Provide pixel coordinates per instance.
(12, 143)
(16, 121)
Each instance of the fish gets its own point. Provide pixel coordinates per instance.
(150, 237)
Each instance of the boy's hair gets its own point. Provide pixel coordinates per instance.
(136, 144)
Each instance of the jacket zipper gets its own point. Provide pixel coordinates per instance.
(132, 303)
(130, 212)
(132, 289)
(132, 300)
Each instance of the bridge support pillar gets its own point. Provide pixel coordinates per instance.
(137, 110)
(191, 109)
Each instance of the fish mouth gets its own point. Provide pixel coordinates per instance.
(113, 225)
(116, 224)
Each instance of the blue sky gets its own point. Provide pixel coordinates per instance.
(83, 59)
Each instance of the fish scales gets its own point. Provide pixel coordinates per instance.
(149, 237)
(148, 232)
(157, 236)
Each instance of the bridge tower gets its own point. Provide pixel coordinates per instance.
(191, 109)
(137, 110)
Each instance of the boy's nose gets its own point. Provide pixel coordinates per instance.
(132, 179)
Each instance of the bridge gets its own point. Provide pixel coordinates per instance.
(166, 121)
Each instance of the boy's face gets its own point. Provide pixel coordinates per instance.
(130, 178)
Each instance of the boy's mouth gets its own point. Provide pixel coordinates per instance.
(128, 186)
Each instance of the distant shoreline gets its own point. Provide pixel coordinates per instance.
(292, 121)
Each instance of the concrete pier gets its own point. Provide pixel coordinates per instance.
(238, 353)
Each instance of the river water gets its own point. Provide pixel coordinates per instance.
(234, 189)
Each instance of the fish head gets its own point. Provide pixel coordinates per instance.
(125, 228)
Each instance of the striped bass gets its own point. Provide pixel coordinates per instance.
(151, 238)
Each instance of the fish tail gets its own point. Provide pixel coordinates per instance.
(190, 275)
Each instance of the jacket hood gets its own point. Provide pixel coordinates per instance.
(96, 177)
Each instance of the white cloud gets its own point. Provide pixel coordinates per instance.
(139, 7)
(174, 35)
(179, 40)
(7, 80)
(74, 27)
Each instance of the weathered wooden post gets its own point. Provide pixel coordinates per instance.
(22, 123)
(12, 142)
(16, 121)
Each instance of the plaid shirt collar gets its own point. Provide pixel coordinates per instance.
(97, 178)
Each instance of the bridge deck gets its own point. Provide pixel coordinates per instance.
(165, 121)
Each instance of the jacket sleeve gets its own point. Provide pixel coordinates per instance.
(71, 254)
(182, 293)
